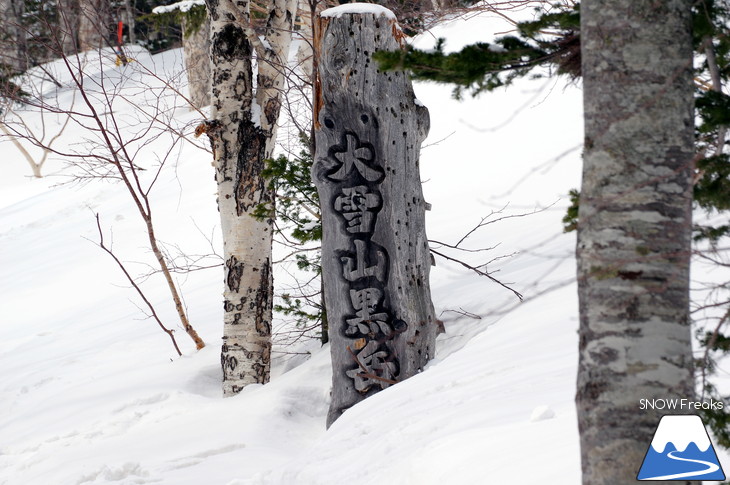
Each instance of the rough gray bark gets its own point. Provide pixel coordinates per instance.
(634, 231)
(375, 255)
(196, 45)
(243, 133)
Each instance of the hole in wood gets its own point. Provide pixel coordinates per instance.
(400, 326)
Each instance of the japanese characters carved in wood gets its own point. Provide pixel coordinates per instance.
(375, 256)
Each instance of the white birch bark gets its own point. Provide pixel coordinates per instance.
(243, 134)
(635, 227)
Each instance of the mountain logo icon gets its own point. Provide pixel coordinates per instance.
(681, 450)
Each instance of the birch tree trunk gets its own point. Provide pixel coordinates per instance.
(375, 255)
(305, 54)
(634, 231)
(243, 134)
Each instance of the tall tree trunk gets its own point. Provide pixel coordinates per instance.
(243, 133)
(68, 25)
(634, 232)
(305, 54)
(197, 63)
(94, 24)
(131, 21)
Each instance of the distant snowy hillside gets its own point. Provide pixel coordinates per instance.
(91, 392)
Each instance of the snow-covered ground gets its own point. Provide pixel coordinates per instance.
(91, 392)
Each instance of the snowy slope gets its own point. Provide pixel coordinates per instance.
(92, 393)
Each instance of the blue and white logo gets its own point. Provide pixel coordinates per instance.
(681, 450)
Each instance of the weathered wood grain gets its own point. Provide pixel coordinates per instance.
(376, 261)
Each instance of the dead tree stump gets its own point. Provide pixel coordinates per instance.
(375, 256)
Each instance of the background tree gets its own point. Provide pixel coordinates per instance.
(28, 31)
(68, 25)
(194, 23)
(13, 37)
(95, 24)
(196, 46)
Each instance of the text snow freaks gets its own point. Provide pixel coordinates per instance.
(679, 404)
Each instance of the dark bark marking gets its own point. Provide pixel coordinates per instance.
(221, 77)
(235, 272)
(271, 110)
(263, 301)
(632, 311)
(228, 363)
(250, 186)
(591, 390)
(212, 6)
(231, 43)
(605, 355)
(630, 275)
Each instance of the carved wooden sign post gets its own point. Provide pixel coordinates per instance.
(375, 255)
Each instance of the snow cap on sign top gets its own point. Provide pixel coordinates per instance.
(358, 8)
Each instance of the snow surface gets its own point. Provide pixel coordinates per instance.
(92, 393)
(358, 8)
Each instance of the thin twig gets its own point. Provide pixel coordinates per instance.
(141, 294)
(479, 272)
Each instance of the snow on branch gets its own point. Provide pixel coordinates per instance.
(183, 6)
